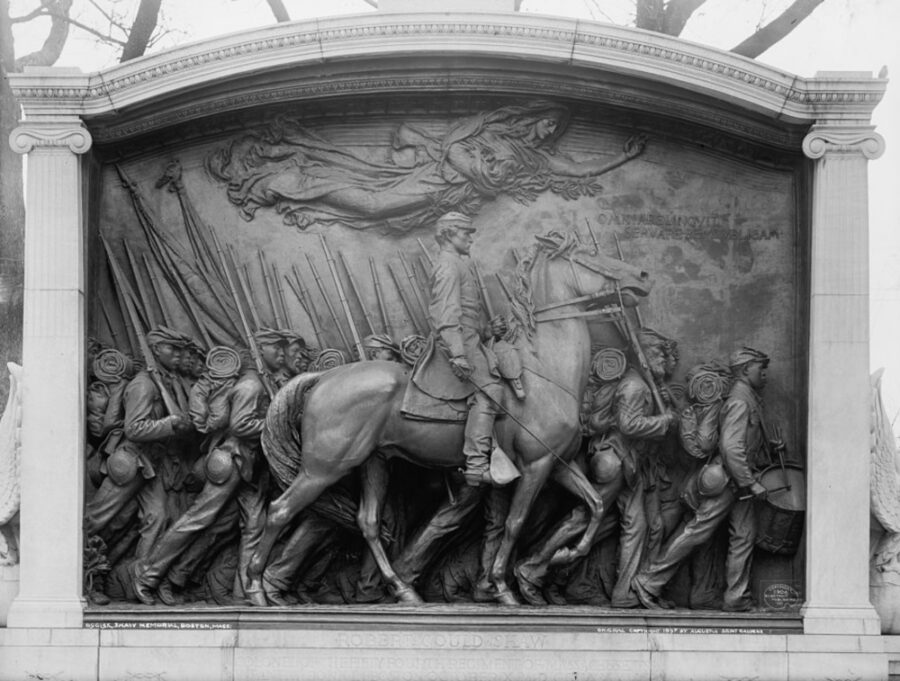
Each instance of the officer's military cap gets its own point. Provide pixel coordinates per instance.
(456, 219)
(163, 334)
(267, 336)
(745, 355)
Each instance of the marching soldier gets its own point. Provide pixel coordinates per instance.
(234, 468)
(136, 450)
(724, 491)
(458, 318)
(638, 430)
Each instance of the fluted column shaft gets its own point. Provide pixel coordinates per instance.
(837, 541)
(53, 400)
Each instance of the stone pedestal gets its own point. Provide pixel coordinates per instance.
(53, 396)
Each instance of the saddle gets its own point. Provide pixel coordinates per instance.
(434, 393)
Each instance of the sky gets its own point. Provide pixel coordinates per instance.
(846, 35)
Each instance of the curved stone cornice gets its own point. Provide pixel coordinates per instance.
(200, 76)
(26, 137)
(860, 140)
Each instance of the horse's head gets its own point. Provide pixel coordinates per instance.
(587, 272)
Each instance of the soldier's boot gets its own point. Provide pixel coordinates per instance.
(477, 442)
(169, 593)
(142, 585)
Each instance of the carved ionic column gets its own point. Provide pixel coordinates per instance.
(837, 570)
(53, 402)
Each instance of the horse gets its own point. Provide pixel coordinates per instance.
(321, 426)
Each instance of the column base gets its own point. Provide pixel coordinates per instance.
(840, 619)
(56, 613)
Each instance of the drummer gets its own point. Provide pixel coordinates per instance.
(742, 454)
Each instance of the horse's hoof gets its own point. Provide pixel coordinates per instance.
(506, 597)
(406, 594)
(529, 590)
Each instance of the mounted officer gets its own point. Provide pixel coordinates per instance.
(458, 317)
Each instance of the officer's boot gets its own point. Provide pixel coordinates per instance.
(478, 440)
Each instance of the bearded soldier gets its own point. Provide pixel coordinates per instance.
(233, 468)
(742, 453)
(458, 319)
(135, 451)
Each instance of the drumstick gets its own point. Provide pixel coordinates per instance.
(768, 492)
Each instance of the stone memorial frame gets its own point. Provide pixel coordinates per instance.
(65, 112)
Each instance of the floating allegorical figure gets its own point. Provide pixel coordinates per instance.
(309, 180)
(744, 450)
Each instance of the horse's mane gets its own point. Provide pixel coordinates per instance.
(548, 247)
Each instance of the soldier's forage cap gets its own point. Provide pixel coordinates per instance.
(292, 337)
(193, 345)
(163, 334)
(745, 355)
(377, 341)
(649, 337)
(266, 336)
(455, 219)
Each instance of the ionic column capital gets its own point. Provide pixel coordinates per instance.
(827, 139)
(26, 137)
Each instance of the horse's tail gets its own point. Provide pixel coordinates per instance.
(281, 440)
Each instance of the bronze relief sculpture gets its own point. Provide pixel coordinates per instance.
(369, 437)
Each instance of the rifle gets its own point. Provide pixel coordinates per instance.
(405, 301)
(334, 317)
(303, 296)
(142, 291)
(270, 293)
(379, 295)
(425, 251)
(637, 311)
(248, 332)
(149, 358)
(109, 324)
(359, 299)
(343, 298)
(279, 289)
(154, 284)
(243, 277)
(414, 283)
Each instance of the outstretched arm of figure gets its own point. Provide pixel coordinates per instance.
(561, 165)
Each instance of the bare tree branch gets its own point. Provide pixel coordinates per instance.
(36, 12)
(279, 10)
(677, 14)
(776, 29)
(650, 15)
(113, 20)
(56, 37)
(141, 29)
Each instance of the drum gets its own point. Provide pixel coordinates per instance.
(780, 515)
